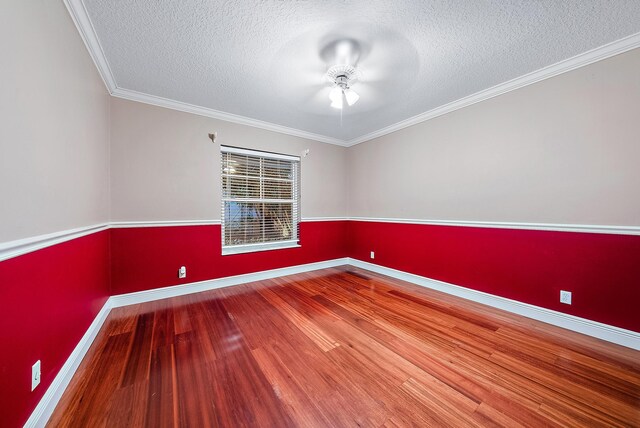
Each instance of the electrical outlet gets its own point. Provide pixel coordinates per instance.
(373, 255)
(565, 297)
(35, 375)
(182, 272)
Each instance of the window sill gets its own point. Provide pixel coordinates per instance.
(241, 249)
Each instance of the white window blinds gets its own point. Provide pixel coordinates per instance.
(260, 200)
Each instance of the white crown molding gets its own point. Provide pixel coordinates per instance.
(583, 228)
(83, 23)
(216, 114)
(51, 397)
(81, 19)
(19, 247)
(165, 223)
(602, 331)
(581, 60)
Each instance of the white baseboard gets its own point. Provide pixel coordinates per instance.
(49, 401)
(47, 404)
(602, 331)
(197, 287)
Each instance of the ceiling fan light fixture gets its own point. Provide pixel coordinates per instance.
(335, 94)
(342, 77)
(337, 103)
(351, 96)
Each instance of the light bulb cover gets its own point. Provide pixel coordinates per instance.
(351, 96)
(335, 94)
(337, 103)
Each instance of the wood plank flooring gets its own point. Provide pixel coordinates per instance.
(344, 347)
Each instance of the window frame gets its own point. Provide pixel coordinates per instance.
(294, 202)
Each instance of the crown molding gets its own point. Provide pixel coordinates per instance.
(580, 60)
(131, 95)
(81, 19)
(83, 23)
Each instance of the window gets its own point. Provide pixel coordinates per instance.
(260, 200)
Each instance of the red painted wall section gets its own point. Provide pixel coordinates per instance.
(149, 257)
(48, 299)
(601, 270)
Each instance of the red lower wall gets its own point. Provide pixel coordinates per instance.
(149, 257)
(529, 266)
(602, 271)
(48, 299)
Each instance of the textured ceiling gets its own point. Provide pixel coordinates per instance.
(264, 59)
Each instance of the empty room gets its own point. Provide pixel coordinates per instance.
(320, 213)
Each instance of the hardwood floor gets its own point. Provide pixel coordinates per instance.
(344, 347)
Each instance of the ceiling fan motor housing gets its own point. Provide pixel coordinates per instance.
(343, 75)
(342, 81)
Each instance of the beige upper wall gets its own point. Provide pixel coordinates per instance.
(565, 150)
(54, 138)
(164, 166)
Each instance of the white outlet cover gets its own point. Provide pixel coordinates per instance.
(373, 255)
(565, 297)
(35, 375)
(182, 272)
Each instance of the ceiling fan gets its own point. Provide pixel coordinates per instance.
(342, 77)
(351, 71)
(344, 74)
